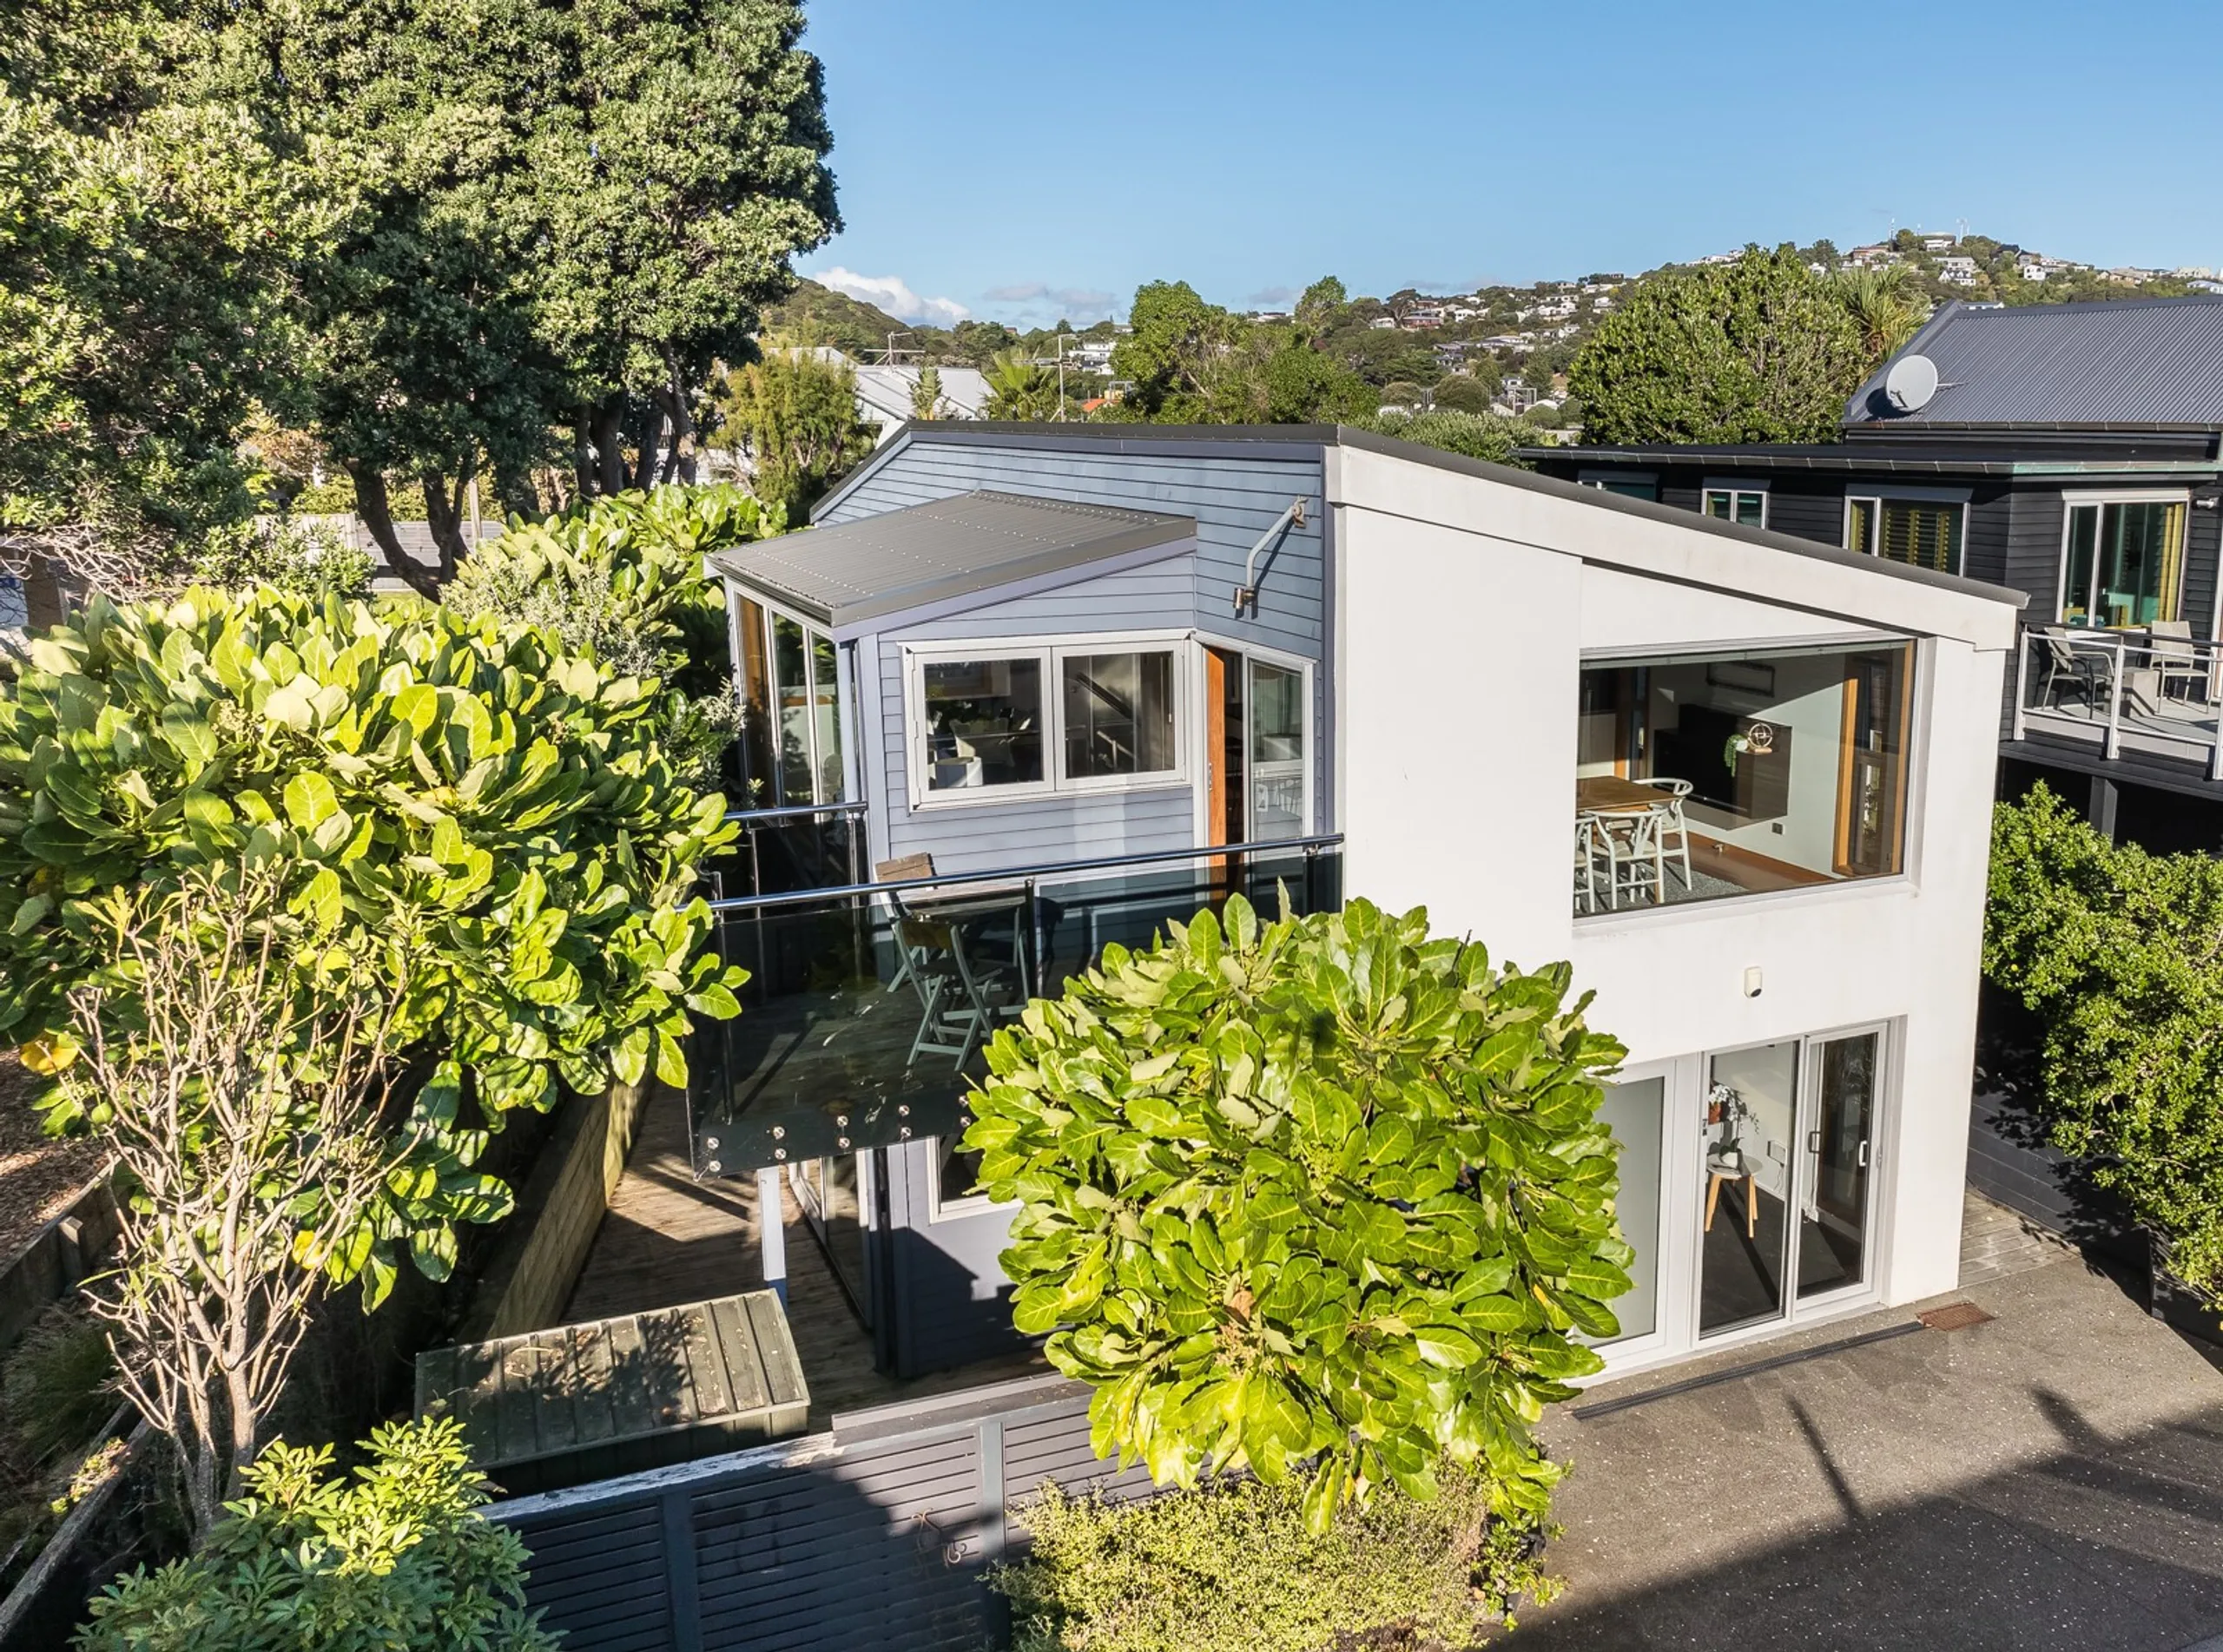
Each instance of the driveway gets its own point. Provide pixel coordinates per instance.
(2052, 1477)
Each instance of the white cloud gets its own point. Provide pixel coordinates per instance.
(893, 294)
(1038, 304)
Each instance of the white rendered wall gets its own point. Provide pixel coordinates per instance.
(1458, 659)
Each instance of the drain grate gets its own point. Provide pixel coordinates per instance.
(1954, 1316)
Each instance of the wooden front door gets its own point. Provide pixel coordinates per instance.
(1225, 781)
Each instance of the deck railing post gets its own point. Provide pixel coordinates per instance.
(772, 1229)
(990, 1511)
(2021, 677)
(2114, 747)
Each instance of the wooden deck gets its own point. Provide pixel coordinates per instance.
(670, 1240)
(1996, 1242)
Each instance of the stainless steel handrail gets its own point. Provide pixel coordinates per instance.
(794, 811)
(1009, 874)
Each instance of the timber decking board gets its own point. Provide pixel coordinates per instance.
(578, 1400)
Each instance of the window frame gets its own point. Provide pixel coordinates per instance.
(1051, 652)
(2100, 499)
(1733, 488)
(1619, 483)
(770, 612)
(1911, 759)
(939, 1209)
(1875, 503)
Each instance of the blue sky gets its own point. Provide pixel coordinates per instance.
(1017, 162)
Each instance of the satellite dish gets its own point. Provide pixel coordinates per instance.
(1910, 384)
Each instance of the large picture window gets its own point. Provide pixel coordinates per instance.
(1003, 721)
(2122, 561)
(1704, 777)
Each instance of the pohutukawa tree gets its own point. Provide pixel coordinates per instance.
(1328, 1190)
(1761, 350)
(572, 212)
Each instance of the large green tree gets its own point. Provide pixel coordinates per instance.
(1189, 362)
(1328, 1187)
(579, 209)
(1760, 350)
(150, 228)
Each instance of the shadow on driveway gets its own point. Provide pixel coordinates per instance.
(2052, 1480)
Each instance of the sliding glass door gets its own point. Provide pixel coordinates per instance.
(1787, 1134)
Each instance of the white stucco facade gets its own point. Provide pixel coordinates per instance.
(1465, 611)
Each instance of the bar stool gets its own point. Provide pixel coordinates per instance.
(1731, 1167)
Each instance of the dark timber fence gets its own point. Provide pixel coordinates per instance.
(873, 1535)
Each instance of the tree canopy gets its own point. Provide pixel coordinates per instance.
(1761, 350)
(1328, 1186)
(579, 210)
(150, 227)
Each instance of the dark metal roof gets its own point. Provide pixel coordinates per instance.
(1877, 458)
(2153, 364)
(975, 542)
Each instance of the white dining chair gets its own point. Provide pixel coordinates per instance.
(1585, 863)
(1634, 862)
(1674, 829)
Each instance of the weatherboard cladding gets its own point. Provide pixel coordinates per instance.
(2127, 362)
(874, 1543)
(1232, 499)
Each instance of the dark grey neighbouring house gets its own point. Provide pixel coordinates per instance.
(2069, 452)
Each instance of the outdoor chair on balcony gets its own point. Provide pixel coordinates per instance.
(1587, 850)
(997, 916)
(960, 998)
(2067, 666)
(2177, 660)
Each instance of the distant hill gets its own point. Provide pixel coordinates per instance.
(1508, 342)
(818, 314)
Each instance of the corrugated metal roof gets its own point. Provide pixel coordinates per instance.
(2155, 363)
(949, 548)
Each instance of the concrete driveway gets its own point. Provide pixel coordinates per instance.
(2050, 1479)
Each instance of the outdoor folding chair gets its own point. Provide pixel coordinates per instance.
(958, 998)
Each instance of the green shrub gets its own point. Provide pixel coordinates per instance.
(1233, 1567)
(1478, 435)
(397, 1560)
(2115, 951)
(1327, 1187)
(400, 758)
(625, 581)
(287, 555)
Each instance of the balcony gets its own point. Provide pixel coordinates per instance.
(868, 1005)
(2145, 698)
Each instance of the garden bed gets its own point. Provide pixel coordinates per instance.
(40, 1176)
